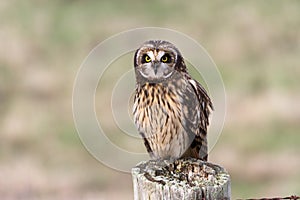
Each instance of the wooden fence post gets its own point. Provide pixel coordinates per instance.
(180, 179)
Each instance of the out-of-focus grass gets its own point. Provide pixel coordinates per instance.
(255, 45)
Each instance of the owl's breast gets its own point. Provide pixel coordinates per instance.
(158, 116)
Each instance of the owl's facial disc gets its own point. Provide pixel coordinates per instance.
(156, 66)
(155, 70)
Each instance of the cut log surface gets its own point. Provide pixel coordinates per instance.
(180, 179)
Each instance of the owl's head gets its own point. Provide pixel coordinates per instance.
(157, 60)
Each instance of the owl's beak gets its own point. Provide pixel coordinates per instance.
(156, 65)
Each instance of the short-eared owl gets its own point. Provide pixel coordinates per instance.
(171, 110)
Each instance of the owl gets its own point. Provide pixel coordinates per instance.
(171, 110)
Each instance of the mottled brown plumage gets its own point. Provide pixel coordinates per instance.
(171, 110)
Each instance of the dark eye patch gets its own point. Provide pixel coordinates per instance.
(145, 59)
(166, 58)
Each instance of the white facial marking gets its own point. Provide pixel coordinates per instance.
(160, 54)
(168, 75)
(151, 55)
(144, 75)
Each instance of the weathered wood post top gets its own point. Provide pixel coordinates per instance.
(180, 179)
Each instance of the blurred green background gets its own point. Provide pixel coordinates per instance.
(255, 44)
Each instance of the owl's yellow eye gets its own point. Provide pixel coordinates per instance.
(146, 59)
(166, 58)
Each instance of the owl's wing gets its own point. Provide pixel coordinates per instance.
(205, 105)
(197, 118)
